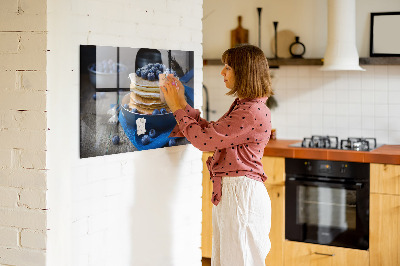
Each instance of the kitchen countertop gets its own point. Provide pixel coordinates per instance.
(389, 154)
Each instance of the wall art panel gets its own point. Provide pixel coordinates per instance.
(121, 109)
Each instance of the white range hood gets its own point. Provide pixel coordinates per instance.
(341, 51)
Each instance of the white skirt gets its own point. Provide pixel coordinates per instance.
(241, 223)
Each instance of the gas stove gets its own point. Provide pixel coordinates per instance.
(332, 142)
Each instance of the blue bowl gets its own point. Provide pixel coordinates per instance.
(158, 122)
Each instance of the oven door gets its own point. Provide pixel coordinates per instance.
(327, 213)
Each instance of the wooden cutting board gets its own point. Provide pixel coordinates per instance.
(239, 35)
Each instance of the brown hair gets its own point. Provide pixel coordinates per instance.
(250, 66)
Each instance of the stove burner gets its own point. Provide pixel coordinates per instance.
(358, 144)
(328, 142)
(332, 142)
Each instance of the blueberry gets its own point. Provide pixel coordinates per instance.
(126, 106)
(163, 111)
(138, 72)
(151, 76)
(115, 140)
(94, 96)
(152, 133)
(145, 139)
(150, 65)
(134, 110)
(167, 71)
(156, 112)
(172, 142)
(158, 72)
(144, 74)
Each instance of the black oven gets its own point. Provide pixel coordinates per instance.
(327, 202)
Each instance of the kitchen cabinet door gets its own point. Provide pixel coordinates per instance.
(384, 236)
(277, 233)
(206, 225)
(274, 168)
(385, 178)
(305, 254)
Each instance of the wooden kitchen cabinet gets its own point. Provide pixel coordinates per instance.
(277, 233)
(384, 236)
(385, 215)
(305, 254)
(385, 178)
(274, 168)
(206, 225)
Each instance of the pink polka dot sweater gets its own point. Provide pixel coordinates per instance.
(238, 139)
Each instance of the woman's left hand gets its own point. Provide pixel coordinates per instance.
(173, 95)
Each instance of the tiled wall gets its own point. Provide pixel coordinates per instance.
(313, 102)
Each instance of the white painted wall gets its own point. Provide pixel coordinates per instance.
(306, 18)
(141, 208)
(311, 102)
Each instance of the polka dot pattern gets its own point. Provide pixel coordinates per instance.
(238, 139)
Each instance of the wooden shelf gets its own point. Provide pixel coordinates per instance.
(273, 63)
(380, 61)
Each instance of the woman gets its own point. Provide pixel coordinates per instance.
(242, 208)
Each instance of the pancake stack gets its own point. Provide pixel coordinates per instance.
(145, 91)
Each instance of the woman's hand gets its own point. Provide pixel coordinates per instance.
(174, 93)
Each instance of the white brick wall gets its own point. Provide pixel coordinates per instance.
(23, 132)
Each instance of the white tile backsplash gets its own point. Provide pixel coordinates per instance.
(394, 123)
(346, 103)
(381, 110)
(381, 83)
(394, 136)
(394, 97)
(394, 82)
(394, 110)
(381, 97)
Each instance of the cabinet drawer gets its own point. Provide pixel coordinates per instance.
(297, 254)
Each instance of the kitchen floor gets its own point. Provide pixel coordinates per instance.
(206, 261)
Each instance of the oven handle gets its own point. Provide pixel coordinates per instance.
(357, 185)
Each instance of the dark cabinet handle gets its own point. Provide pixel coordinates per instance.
(324, 254)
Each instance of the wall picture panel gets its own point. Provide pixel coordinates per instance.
(121, 109)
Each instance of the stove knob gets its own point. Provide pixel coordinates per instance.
(343, 168)
(308, 167)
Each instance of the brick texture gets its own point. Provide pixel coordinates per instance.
(9, 237)
(8, 197)
(33, 239)
(23, 126)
